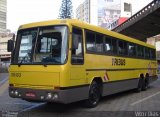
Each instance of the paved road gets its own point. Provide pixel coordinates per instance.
(123, 104)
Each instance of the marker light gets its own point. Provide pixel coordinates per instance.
(49, 96)
(42, 97)
(55, 96)
(16, 92)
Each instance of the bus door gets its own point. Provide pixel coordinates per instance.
(77, 55)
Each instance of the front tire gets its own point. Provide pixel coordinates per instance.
(94, 95)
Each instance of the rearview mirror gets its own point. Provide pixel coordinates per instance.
(10, 45)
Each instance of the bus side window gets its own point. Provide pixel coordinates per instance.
(114, 46)
(140, 51)
(147, 53)
(122, 47)
(99, 43)
(153, 53)
(132, 49)
(90, 41)
(108, 45)
(77, 47)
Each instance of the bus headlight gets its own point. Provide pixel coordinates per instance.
(49, 95)
(52, 96)
(42, 97)
(55, 96)
(19, 95)
(16, 92)
(12, 92)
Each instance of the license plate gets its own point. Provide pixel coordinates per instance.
(30, 95)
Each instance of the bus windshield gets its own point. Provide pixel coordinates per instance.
(45, 45)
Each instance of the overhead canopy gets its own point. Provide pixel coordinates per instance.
(144, 24)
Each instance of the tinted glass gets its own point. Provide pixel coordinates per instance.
(90, 41)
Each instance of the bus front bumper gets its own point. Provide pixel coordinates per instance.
(42, 95)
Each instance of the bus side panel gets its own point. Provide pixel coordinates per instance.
(117, 78)
(119, 86)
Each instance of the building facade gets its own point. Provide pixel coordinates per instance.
(99, 12)
(86, 11)
(108, 13)
(82, 12)
(3, 15)
(4, 54)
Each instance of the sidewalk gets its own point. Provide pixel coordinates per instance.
(4, 67)
(4, 83)
(3, 70)
(3, 78)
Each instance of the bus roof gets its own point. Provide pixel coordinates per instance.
(84, 25)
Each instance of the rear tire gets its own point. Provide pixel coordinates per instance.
(94, 95)
(140, 84)
(145, 84)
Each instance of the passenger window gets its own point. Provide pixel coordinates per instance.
(147, 53)
(140, 51)
(114, 46)
(99, 43)
(77, 47)
(122, 47)
(153, 53)
(132, 49)
(108, 45)
(90, 41)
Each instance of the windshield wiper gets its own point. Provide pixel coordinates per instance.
(23, 59)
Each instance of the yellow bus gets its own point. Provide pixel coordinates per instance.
(68, 60)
